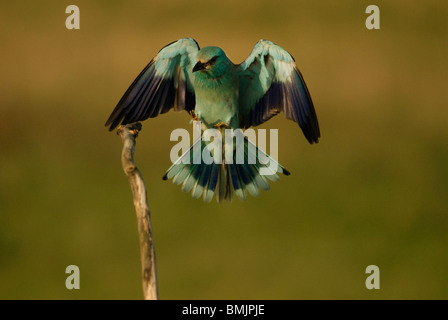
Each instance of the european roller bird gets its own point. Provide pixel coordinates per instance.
(221, 95)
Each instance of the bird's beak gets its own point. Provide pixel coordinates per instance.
(199, 66)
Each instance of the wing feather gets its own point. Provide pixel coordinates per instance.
(270, 82)
(165, 83)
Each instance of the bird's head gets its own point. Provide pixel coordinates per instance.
(211, 61)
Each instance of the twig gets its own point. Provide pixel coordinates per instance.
(147, 254)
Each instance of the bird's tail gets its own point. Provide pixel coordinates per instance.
(225, 177)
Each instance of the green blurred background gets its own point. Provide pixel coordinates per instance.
(373, 191)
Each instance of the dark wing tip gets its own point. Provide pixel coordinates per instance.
(116, 117)
(311, 130)
(112, 122)
(121, 109)
(310, 127)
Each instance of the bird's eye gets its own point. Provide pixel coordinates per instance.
(212, 60)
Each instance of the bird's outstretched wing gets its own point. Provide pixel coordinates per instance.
(271, 82)
(163, 84)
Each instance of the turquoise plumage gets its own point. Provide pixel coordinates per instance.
(221, 95)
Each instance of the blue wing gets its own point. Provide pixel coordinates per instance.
(271, 82)
(165, 83)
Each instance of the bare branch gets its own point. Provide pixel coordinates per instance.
(147, 253)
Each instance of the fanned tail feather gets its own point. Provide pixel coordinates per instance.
(223, 179)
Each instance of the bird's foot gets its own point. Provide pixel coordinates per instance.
(194, 116)
(221, 125)
(133, 128)
(134, 132)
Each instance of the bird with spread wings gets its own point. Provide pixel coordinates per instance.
(220, 94)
